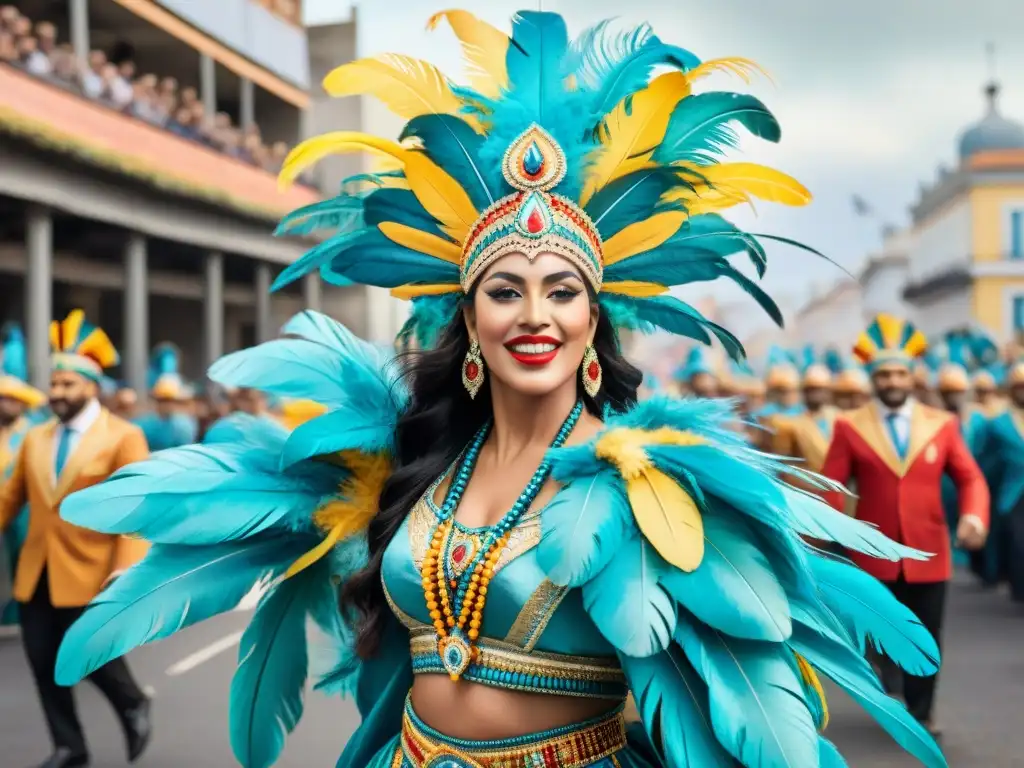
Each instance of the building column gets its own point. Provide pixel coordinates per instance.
(264, 320)
(136, 314)
(311, 291)
(247, 103)
(213, 308)
(78, 15)
(379, 316)
(208, 84)
(39, 294)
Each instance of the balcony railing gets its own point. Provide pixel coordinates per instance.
(56, 119)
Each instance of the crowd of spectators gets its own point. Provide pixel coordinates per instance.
(35, 49)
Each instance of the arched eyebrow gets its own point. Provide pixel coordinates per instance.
(555, 277)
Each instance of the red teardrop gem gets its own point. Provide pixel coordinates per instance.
(593, 370)
(472, 369)
(535, 222)
(459, 554)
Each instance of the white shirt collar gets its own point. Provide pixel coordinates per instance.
(85, 418)
(905, 411)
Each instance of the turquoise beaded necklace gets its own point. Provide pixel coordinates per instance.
(455, 601)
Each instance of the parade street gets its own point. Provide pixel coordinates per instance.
(981, 698)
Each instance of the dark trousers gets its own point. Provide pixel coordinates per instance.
(42, 628)
(927, 601)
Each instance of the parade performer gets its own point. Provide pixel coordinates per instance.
(63, 566)
(518, 543)
(19, 404)
(1004, 453)
(851, 388)
(697, 375)
(170, 424)
(897, 450)
(806, 435)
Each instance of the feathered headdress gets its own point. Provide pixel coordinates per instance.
(560, 146)
(696, 363)
(80, 347)
(953, 378)
(15, 370)
(890, 340)
(164, 376)
(781, 371)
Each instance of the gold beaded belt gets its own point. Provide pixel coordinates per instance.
(574, 746)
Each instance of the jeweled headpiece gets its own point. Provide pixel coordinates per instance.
(597, 150)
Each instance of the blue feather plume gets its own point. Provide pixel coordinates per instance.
(699, 130)
(450, 142)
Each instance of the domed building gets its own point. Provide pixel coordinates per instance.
(966, 253)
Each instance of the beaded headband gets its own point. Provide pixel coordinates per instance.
(533, 220)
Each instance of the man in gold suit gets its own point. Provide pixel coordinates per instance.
(806, 435)
(63, 567)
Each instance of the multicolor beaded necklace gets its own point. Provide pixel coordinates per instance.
(457, 574)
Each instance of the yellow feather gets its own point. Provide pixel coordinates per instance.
(892, 330)
(422, 242)
(742, 68)
(632, 135)
(353, 512)
(408, 86)
(485, 48)
(410, 291)
(642, 236)
(55, 335)
(916, 345)
(668, 518)
(440, 195)
(22, 392)
(727, 184)
(624, 447)
(98, 346)
(810, 678)
(312, 151)
(634, 288)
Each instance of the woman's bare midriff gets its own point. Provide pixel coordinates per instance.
(464, 710)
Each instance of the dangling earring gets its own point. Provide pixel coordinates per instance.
(473, 370)
(590, 370)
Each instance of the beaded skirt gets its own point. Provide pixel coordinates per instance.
(603, 742)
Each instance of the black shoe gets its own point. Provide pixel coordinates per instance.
(63, 757)
(137, 730)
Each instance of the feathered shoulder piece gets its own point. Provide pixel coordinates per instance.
(689, 555)
(254, 506)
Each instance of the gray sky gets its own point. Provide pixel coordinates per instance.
(871, 95)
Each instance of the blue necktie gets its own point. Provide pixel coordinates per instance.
(63, 449)
(894, 433)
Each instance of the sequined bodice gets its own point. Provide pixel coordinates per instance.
(525, 613)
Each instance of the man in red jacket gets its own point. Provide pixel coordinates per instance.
(897, 451)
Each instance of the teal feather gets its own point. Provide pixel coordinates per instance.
(842, 664)
(14, 352)
(699, 130)
(670, 314)
(402, 207)
(375, 260)
(735, 589)
(348, 427)
(673, 703)
(627, 603)
(828, 755)
(872, 613)
(166, 592)
(450, 142)
(343, 212)
(431, 315)
(582, 528)
(352, 351)
(318, 257)
(188, 496)
(756, 697)
(811, 516)
(268, 687)
(539, 42)
(631, 198)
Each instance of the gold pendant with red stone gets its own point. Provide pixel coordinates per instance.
(461, 551)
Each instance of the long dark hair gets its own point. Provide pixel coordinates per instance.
(438, 422)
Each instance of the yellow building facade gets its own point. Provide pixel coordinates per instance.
(966, 264)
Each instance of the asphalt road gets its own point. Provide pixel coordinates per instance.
(980, 705)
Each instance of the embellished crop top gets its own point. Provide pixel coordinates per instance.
(535, 636)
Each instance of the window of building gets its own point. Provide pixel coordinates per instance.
(1017, 233)
(1018, 315)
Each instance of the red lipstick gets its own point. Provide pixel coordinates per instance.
(531, 357)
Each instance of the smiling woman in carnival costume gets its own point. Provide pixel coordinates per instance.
(517, 544)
